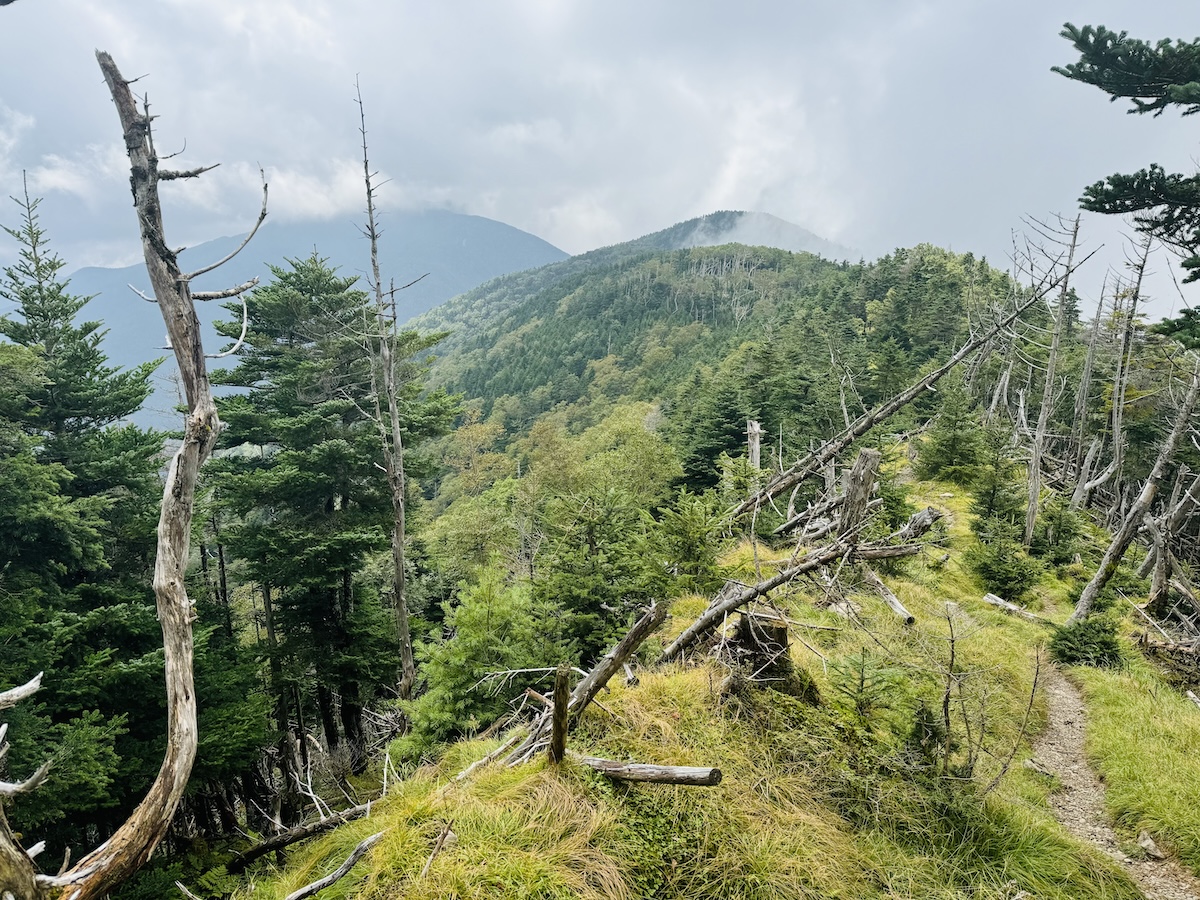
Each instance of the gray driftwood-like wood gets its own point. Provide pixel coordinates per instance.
(892, 601)
(993, 600)
(1137, 512)
(97, 873)
(699, 776)
(917, 525)
(344, 869)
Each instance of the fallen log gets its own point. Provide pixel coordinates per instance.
(239, 863)
(699, 776)
(1021, 611)
(344, 869)
(892, 601)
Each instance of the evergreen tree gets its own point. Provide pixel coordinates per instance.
(1153, 77)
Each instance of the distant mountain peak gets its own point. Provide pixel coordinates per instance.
(755, 229)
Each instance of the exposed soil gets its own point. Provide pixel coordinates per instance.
(1079, 805)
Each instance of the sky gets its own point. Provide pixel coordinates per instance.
(873, 123)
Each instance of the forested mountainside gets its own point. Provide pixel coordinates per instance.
(757, 317)
(574, 456)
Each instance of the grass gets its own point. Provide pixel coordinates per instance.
(837, 800)
(1143, 739)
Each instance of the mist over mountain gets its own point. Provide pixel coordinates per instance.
(449, 252)
(754, 229)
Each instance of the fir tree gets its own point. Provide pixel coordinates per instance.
(1153, 77)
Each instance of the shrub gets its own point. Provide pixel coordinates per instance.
(1092, 642)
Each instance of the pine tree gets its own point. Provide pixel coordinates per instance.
(1153, 77)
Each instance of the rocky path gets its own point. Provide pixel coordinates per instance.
(1079, 805)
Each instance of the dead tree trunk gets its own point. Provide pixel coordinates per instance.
(130, 847)
(860, 485)
(391, 434)
(1137, 512)
(1037, 445)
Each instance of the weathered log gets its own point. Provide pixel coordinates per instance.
(860, 484)
(699, 776)
(892, 601)
(916, 526)
(631, 678)
(239, 863)
(320, 884)
(816, 511)
(1012, 608)
(716, 612)
(558, 714)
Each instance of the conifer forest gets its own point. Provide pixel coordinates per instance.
(674, 568)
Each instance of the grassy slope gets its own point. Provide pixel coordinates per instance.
(825, 801)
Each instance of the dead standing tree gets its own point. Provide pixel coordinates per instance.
(128, 849)
(1133, 519)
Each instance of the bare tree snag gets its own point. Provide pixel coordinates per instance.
(754, 433)
(699, 776)
(388, 421)
(1037, 445)
(1137, 512)
(558, 715)
(860, 485)
(1083, 491)
(128, 849)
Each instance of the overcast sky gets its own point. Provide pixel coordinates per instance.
(876, 124)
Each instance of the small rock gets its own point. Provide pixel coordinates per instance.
(946, 496)
(1147, 843)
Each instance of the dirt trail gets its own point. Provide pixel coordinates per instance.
(1079, 805)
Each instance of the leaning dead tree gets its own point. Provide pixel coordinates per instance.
(128, 849)
(1137, 512)
(817, 460)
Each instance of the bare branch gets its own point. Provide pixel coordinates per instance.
(13, 696)
(12, 789)
(359, 852)
(173, 174)
(225, 294)
(141, 294)
(262, 215)
(241, 338)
